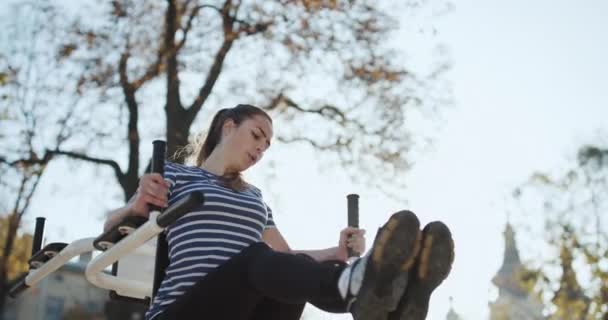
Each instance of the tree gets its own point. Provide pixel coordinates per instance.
(261, 52)
(37, 118)
(16, 249)
(16, 263)
(573, 203)
(78, 80)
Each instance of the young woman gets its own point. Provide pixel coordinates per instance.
(228, 259)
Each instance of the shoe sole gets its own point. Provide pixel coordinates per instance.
(433, 266)
(394, 253)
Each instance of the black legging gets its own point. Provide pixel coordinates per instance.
(261, 284)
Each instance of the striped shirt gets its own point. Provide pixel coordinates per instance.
(205, 238)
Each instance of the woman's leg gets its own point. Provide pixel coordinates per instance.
(270, 309)
(260, 283)
(327, 299)
(224, 293)
(369, 288)
(293, 279)
(332, 303)
(372, 284)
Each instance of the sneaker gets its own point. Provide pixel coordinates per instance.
(373, 284)
(432, 267)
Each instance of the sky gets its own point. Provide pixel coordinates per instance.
(529, 87)
(529, 84)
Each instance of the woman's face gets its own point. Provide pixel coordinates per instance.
(245, 144)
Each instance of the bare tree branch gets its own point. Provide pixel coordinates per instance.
(188, 27)
(230, 35)
(338, 144)
(219, 10)
(79, 156)
(218, 61)
(20, 210)
(212, 77)
(158, 66)
(19, 194)
(152, 71)
(27, 162)
(132, 131)
(329, 112)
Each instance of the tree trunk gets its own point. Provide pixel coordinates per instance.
(178, 129)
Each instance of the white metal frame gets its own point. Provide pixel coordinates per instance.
(132, 288)
(133, 243)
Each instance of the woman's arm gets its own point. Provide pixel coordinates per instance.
(274, 238)
(152, 191)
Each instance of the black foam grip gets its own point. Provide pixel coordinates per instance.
(158, 156)
(353, 215)
(353, 210)
(157, 164)
(38, 235)
(180, 208)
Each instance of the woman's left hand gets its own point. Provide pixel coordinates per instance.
(353, 238)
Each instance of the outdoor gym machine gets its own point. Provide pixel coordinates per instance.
(120, 245)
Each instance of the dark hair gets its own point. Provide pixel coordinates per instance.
(201, 151)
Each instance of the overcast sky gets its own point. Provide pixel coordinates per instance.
(529, 81)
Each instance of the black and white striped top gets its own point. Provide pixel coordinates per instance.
(203, 239)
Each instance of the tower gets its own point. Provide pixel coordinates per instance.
(514, 302)
(452, 315)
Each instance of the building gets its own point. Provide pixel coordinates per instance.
(452, 315)
(67, 295)
(64, 294)
(514, 301)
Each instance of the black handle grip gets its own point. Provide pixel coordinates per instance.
(18, 285)
(157, 165)
(38, 235)
(180, 208)
(353, 216)
(159, 148)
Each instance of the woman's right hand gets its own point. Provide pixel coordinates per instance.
(152, 190)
